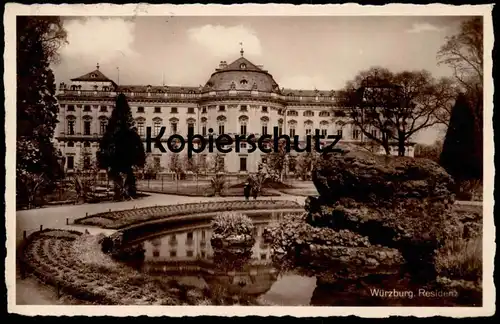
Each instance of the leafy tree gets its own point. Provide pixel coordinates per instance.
(305, 164)
(218, 168)
(121, 149)
(276, 162)
(38, 40)
(176, 165)
(152, 166)
(389, 107)
(85, 176)
(462, 154)
(431, 152)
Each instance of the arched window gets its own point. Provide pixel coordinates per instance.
(157, 124)
(221, 121)
(324, 114)
(280, 127)
(292, 113)
(103, 124)
(339, 127)
(173, 125)
(243, 124)
(243, 82)
(191, 124)
(87, 125)
(292, 126)
(140, 125)
(204, 126)
(71, 121)
(323, 125)
(308, 125)
(308, 113)
(264, 122)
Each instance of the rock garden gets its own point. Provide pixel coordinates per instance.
(388, 218)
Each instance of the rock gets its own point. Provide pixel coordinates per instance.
(358, 174)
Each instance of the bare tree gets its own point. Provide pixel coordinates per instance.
(463, 52)
(394, 107)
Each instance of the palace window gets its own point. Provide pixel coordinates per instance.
(204, 129)
(243, 108)
(189, 253)
(71, 107)
(204, 110)
(308, 131)
(308, 113)
(190, 126)
(243, 163)
(71, 144)
(374, 133)
(102, 126)
(173, 254)
(222, 108)
(243, 128)
(87, 108)
(324, 114)
(324, 132)
(292, 113)
(140, 128)
(70, 162)
(173, 110)
(355, 134)
(173, 127)
(103, 109)
(156, 127)
(71, 127)
(264, 109)
(86, 127)
(243, 82)
(86, 144)
(339, 114)
(339, 132)
(221, 128)
(157, 110)
(280, 127)
(190, 110)
(264, 122)
(156, 253)
(292, 130)
(140, 109)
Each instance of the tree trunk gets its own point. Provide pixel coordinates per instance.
(401, 147)
(130, 184)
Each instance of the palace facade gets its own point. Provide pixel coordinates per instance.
(239, 98)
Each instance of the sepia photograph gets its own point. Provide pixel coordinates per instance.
(209, 157)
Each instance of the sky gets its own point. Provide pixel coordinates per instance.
(300, 52)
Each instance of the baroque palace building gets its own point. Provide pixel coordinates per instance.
(239, 98)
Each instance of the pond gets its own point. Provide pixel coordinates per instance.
(182, 252)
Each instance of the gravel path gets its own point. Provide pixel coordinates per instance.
(29, 291)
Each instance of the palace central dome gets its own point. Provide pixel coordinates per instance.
(241, 75)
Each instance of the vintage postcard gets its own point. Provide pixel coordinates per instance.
(249, 160)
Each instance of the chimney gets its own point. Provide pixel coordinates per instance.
(222, 64)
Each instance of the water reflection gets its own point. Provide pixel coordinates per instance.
(186, 254)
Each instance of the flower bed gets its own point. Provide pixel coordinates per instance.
(72, 262)
(124, 218)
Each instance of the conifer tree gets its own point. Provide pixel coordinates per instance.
(121, 149)
(462, 151)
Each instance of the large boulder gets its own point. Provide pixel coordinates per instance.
(367, 177)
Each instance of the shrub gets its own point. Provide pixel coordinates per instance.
(461, 259)
(228, 223)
